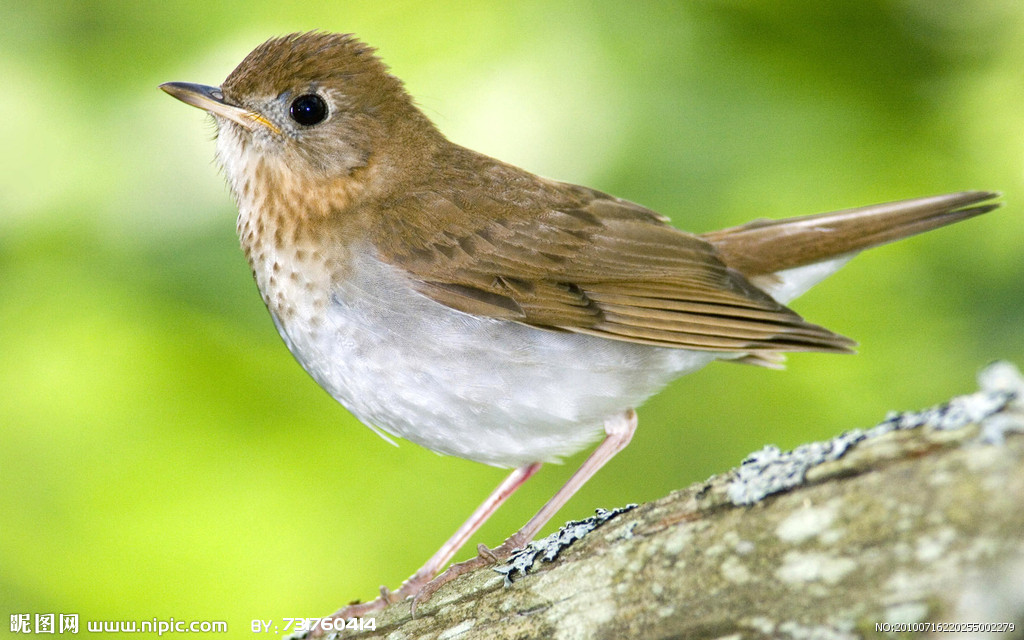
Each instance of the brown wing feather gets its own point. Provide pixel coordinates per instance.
(567, 258)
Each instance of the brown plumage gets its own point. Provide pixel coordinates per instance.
(565, 257)
(766, 246)
(490, 239)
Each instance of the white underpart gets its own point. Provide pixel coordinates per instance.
(792, 283)
(488, 390)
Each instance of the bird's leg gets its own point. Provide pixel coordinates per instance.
(438, 561)
(618, 432)
(415, 583)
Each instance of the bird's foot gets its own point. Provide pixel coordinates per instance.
(410, 587)
(485, 557)
(418, 587)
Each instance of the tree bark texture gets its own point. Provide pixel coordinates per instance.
(918, 522)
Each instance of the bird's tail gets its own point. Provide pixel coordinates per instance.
(765, 247)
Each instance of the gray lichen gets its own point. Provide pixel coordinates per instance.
(998, 408)
(550, 547)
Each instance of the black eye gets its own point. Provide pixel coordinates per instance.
(308, 110)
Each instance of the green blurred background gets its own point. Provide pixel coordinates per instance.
(161, 454)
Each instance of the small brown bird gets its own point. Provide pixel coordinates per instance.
(482, 311)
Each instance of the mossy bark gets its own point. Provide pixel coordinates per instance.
(909, 527)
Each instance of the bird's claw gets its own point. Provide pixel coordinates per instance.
(419, 588)
(485, 557)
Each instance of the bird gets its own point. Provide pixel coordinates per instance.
(479, 310)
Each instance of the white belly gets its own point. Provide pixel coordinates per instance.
(488, 390)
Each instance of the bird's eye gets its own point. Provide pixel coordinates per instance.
(308, 110)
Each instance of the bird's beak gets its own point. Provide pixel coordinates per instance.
(211, 99)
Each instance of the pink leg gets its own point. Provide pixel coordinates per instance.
(440, 559)
(415, 583)
(618, 432)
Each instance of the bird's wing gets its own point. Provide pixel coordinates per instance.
(594, 264)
